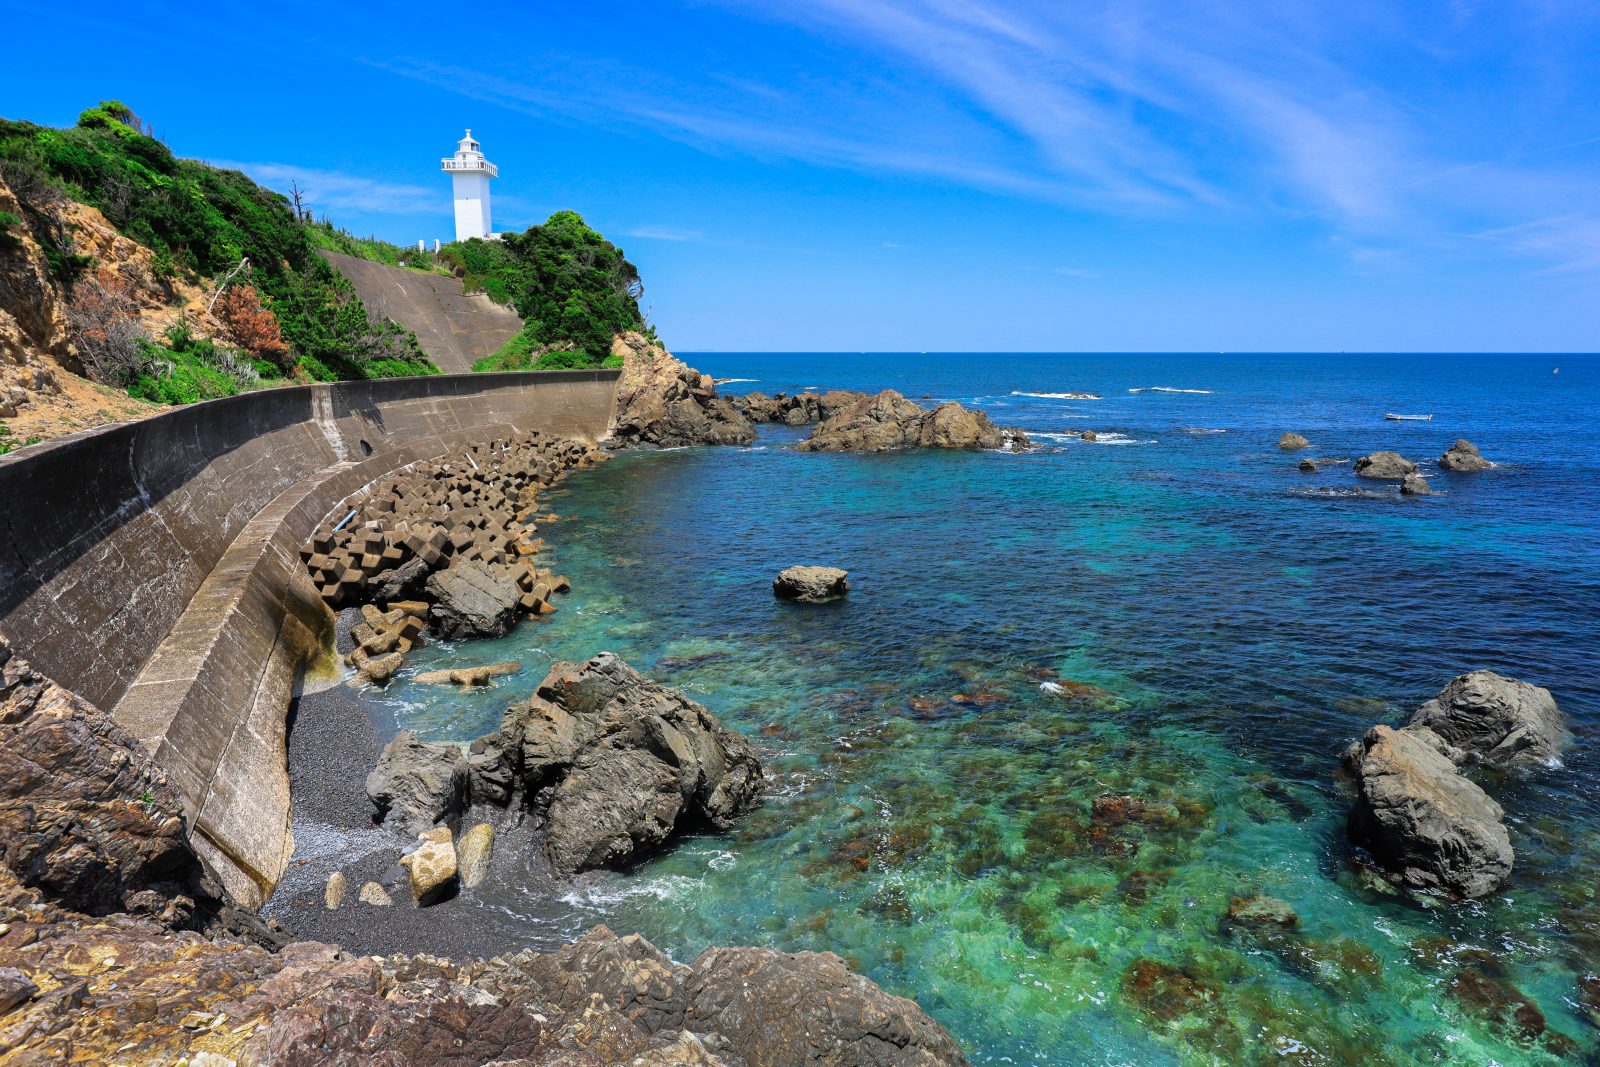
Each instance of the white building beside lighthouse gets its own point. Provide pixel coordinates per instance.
(470, 173)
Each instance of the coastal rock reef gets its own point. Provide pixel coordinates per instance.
(1430, 827)
(889, 421)
(664, 403)
(114, 947)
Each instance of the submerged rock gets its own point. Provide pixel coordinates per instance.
(1386, 466)
(811, 585)
(471, 677)
(417, 784)
(1088, 435)
(1430, 827)
(620, 763)
(1260, 913)
(1308, 466)
(1496, 719)
(664, 403)
(889, 421)
(1293, 442)
(472, 599)
(1463, 457)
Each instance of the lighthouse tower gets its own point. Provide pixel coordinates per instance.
(470, 173)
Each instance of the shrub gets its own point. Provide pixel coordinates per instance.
(574, 290)
(104, 326)
(252, 326)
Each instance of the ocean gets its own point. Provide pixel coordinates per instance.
(1048, 872)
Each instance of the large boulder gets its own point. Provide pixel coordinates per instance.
(1431, 828)
(664, 403)
(777, 1009)
(86, 816)
(1415, 484)
(472, 599)
(1496, 719)
(431, 867)
(1463, 457)
(1293, 442)
(811, 585)
(1386, 466)
(418, 784)
(620, 763)
(889, 421)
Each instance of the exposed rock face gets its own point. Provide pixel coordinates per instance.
(890, 421)
(419, 783)
(1427, 824)
(85, 815)
(472, 599)
(797, 409)
(811, 585)
(1496, 719)
(1386, 466)
(33, 315)
(1463, 457)
(604, 1001)
(664, 403)
(1415, 485)
(473, 854)
(830, 1015)
(1293, 442)
(619, 762)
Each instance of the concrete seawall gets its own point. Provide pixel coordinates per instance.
(152, 567)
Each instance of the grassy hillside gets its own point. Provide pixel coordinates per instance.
(200, 222)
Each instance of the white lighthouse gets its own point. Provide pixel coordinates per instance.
(470, 173)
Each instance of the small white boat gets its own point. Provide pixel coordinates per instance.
(1409, 418)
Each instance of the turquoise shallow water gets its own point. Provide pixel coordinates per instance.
(1229, 625)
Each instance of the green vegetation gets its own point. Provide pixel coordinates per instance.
(189, 368)
(8, 443)
(574, 290)
(200, 222)
(324, 235)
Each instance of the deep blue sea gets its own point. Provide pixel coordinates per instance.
(1221, 626)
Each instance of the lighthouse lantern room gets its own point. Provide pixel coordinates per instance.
(470, 174)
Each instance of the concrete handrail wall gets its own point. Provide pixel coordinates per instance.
(151, 566)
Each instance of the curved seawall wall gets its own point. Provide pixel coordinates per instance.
(152, 567)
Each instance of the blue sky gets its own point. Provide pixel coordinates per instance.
(936, 175)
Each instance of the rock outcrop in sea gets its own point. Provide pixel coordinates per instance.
(811, 585)
(1495, 719)
(664, 403)
(1293, 442)
(1426, 823)
(1385, 466)
(1429, 826)
(1463, 457)
(889, 421)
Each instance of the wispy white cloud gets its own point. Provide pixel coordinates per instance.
(664, 233)
(327, 191)
(1209, 109)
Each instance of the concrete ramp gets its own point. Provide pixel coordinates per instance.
(455, 328)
